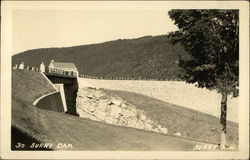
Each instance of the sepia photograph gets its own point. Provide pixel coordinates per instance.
(125, 80)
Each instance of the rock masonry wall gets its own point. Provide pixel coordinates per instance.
(94, 104)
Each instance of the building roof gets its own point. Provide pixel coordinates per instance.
(64, 65)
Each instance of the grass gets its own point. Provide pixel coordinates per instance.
(52, 127)
(190, 123)
(27, 86)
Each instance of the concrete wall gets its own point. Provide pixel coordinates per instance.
(51, 102)
(60, 88)
(70, 89)
(175, 92)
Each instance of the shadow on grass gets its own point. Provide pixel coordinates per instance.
(22, 142)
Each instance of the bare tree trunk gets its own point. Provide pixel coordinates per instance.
(223, 120)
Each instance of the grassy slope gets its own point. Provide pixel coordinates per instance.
(147, 57)
(52, 127)
(188, 122)
(27, 86)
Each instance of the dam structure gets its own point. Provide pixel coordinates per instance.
(63, 79)
(68, 87)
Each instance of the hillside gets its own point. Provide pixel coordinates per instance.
(146, 57)
(34, 125)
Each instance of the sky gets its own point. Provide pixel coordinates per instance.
(33, 28)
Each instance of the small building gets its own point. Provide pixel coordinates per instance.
(63, 66)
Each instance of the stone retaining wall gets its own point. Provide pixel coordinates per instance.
(96, 105)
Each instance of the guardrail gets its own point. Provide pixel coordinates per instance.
(128, 78)
(60, 72)
(30, 68)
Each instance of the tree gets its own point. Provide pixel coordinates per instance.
(211, 39)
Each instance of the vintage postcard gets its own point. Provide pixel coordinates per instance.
(125, 80)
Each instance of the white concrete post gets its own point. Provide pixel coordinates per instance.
(15, 67)
(21, 66)
(42, 67)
